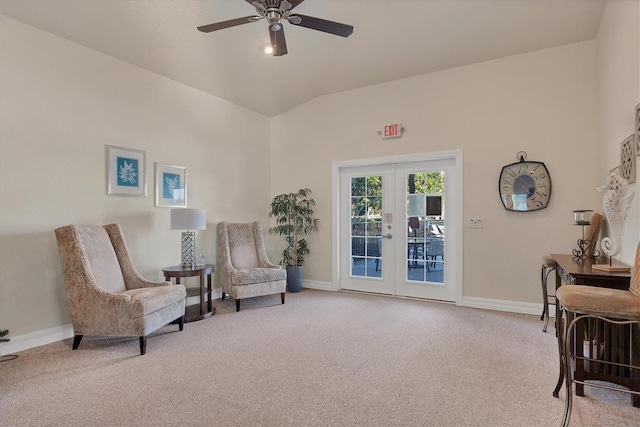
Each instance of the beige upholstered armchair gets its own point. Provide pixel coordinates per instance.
(106, 294)
(245, 271)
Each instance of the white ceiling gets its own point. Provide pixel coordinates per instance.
(392, 39)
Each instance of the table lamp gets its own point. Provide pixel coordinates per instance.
(188, 219)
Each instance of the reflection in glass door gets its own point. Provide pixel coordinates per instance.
(427, 202)
(425, 226)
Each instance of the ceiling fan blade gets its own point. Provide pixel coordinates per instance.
(278, 43)
(330, 27)
(225, 24)
(294, 3)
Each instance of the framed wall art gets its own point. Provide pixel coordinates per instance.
(126, 171)
(171, 186)
(628, 158)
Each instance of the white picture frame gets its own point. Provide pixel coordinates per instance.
(126, 171)
(171, 186)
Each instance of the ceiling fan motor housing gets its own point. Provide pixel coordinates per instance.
(273, 17)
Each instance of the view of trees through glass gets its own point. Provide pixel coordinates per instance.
(366, 220)
(366, 191)
(366, 226)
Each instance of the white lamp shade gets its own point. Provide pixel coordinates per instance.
(188, 219)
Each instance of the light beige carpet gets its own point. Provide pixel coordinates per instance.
(322, 359)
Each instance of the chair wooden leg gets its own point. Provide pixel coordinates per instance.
(566, 350)
(282, 296)
(143, 345)
(544, 304)
(635, 361)
(237, 305)
(181, 323)
(560, 335)
(545, 297)
(223, 295)
(76, 341)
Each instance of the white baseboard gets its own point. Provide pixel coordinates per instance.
(322, 286)
(509, 306)
(47, 336)
(36, 339)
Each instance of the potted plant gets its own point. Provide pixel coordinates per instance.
(3, 334)
(294, 220)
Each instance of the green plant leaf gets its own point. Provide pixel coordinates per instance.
(294, 217)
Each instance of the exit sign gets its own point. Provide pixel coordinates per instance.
(393, 130)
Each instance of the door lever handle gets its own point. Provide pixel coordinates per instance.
(387, 236)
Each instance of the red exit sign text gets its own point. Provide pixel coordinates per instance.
(392, 131)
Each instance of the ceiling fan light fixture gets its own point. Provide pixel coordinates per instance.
(285, 5)
(268, 50)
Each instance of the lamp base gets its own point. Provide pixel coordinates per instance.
(188, 257)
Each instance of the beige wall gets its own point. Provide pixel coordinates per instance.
(618, 53)
(543, 103)
(60, 103)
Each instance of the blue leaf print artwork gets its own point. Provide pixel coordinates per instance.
(171, 186)
(127, 172)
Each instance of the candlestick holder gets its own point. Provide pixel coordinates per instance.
(582, 217)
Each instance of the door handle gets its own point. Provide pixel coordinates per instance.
(387, 236)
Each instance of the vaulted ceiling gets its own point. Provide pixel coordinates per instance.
(392, 39)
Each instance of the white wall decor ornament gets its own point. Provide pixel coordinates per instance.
(616, 205)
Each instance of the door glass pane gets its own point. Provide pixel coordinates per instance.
(425, 226)
(366, 226)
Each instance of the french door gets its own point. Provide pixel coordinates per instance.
(367, 229)
(396, 236)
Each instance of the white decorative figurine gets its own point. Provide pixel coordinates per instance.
(616, 205)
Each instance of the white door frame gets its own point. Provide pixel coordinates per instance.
(455, 218)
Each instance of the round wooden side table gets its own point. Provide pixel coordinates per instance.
(204, 308)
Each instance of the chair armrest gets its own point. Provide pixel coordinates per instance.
(98, 299)
(228, 267)
(138, 282)
(100, 294)
(268, 264)
(226, 271)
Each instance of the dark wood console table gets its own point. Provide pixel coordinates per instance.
(616, 342)
(579, 272)
(204, 308)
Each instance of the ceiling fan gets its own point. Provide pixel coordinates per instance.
(274, 11)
